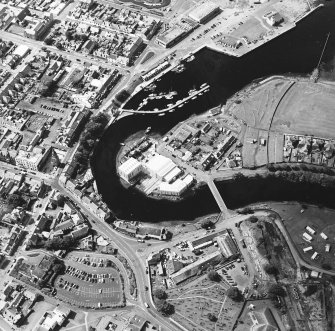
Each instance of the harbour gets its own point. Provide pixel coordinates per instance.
(295, 54)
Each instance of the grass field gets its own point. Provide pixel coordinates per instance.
(322, 219)
(283, 107)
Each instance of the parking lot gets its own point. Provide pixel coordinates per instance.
(87, 286)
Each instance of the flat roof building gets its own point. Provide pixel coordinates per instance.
(130, 169)
(204, 12)
(172, 36)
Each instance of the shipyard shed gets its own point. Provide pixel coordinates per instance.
(159, 166)
(204, 12)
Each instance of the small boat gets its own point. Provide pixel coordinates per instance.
(180, 106)
(170, 105)
(191, 58)
(203, 85)
(152, 95)
(122, 144)
(156, 109)
(169, 97)
(148, 129)
(161, 114)
(159, 97)
(171, 111)
(200, 93)
(193, 98)
(190, 92)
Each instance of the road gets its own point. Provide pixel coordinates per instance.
(136, 263)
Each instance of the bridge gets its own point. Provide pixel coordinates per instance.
(218, 197)
(179, 103)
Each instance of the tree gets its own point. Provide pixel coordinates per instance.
(59, 45)
(213, 276)
(326, 266)
(311, 289)
(69, 34)
(165, 308)
(271, 269)
(160, 294)
(253, 219)
(277, 290)
(48, 41)
(235, 294)
(15, 200)
(212, 317)
(206, 223)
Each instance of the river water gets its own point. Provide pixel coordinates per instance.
(295, 53)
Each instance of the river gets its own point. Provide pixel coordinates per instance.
(295, 53)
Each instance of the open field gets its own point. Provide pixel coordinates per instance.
(282, 106)
(322, 220)
(307, 108)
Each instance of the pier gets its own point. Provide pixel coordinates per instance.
(218, 197)
(179, 103)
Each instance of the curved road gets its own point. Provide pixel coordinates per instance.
(128, 252)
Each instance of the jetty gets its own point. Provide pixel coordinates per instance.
(178, 104)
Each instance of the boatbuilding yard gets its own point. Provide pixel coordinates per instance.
(169, 166)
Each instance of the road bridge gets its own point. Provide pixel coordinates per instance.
(218, 197)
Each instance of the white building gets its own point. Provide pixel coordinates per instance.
(130, 169)
(204, 12)
(177, 188)
(159, 166)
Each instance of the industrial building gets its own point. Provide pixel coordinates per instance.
(176, 188)
(159, 166)
(204, 12)
(227, 245)
(193, 268)
(130, 169)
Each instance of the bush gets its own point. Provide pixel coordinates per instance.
(271, 269)
(212, 317)
(206, 223)
(235, 294)
(326, 266)
(277, 290)
(213, 276)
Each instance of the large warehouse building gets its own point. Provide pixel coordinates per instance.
(204, 12)
(130, 169)
(159, 166)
